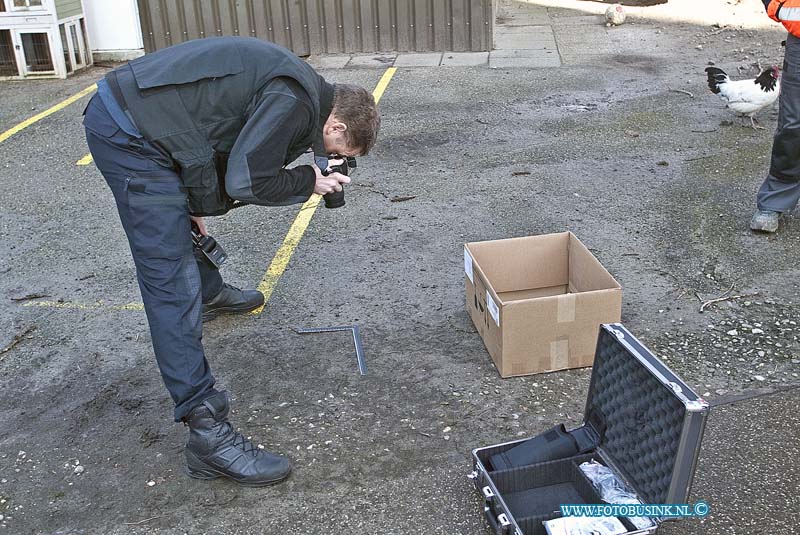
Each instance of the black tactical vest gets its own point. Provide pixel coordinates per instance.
(192, 100)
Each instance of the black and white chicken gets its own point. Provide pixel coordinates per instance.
(746, 97)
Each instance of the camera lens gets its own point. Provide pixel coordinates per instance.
(334, 199)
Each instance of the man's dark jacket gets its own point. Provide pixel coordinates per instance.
(230, 112)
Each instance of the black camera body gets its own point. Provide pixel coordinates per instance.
(335, 199)
(213, 251)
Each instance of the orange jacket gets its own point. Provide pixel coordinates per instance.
(786, 12)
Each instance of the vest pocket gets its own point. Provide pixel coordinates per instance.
(205, 188)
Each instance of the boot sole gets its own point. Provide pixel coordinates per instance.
(212, 314)
(207, 474)
(767, 230)
(764, 230)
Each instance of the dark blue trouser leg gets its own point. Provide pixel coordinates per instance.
(780, 191)
(152, 208)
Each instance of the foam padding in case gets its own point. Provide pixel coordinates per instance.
(643, 418)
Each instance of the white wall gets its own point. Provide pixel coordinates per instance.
(114, 31)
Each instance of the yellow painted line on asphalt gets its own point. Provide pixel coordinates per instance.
(83, 306)
(86, 160)
(383, 83)
(281, 259)
(286, 250)
(50, 111)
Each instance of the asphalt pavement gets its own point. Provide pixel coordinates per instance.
(621, 144)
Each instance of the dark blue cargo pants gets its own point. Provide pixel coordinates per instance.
(780, 191)
(173, 277)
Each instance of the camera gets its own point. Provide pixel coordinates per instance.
(213, 251)
(335, 199)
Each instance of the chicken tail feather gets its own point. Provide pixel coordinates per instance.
(715, 78)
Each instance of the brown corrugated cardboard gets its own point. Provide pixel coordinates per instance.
(538, 301)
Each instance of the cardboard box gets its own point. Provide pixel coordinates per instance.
(538, 301)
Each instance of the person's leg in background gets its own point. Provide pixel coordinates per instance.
(152, 206)
(219, 297)
(209, 276)
(780, 191)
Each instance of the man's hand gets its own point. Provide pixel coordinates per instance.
(328, 184)
(201, 226)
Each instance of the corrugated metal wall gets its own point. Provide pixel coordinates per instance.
(324, 26)
(68, 8)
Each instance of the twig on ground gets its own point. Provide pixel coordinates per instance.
(699, 158)
(726, 298)
(723, 294)
(683, 91)
(28, 297)
(704, 131)
(17, 339)
(142, 521)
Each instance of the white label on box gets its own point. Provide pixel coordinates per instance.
(492, 306)
(468, 265)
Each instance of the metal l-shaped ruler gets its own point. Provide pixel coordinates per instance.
(362, 366)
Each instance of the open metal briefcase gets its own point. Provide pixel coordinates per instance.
(643, 422)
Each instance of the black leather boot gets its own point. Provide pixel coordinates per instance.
(232, 300)
(215, 450)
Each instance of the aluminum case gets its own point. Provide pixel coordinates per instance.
(650, 425)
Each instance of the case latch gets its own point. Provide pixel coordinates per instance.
(499, 523)
(617, 332)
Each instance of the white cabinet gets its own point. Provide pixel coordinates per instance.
(34, 42)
